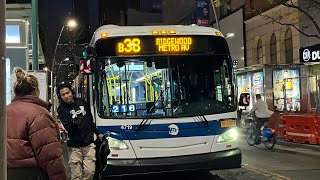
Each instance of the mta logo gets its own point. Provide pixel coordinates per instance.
(173, 129)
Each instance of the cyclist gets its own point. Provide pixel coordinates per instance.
(262, 114)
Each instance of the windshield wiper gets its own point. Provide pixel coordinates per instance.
(143, 123)
(203, 119)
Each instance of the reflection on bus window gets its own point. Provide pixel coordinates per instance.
(164, 86)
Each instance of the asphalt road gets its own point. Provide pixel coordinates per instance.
(282, 162)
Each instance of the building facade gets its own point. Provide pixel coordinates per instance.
(130, 12)
(19, 40)
(19, 36)
(229, 13)
(269, 42)
(274, 35)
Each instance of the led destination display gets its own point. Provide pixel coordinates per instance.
(174, 44)
(160, 44)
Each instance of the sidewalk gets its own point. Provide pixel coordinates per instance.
(293, 144)
(282, 142)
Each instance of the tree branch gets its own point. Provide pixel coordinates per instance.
(290, 24)
(314, 22)
(316, 2)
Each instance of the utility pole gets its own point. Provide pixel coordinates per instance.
(35, 58)
(3, 119)
(215, 15)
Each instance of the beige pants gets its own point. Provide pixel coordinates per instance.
(82, 162)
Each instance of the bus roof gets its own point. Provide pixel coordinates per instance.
(118, 31)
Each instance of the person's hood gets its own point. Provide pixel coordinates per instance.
(33, 99)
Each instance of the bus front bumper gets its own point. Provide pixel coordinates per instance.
(211, 161)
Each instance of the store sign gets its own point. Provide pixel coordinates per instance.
(310, 54)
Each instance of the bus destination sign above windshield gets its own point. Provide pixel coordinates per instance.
(172, 44)
(160, 45)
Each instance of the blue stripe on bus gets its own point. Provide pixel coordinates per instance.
(160, 131)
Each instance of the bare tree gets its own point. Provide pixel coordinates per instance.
(305, 10)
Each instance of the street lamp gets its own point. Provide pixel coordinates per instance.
(215, 14)
(228, 35)
(71, 24)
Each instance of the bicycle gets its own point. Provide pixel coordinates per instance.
(268, 137)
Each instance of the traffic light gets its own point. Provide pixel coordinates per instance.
(84, 54)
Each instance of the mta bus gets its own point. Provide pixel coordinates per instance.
(164, 96)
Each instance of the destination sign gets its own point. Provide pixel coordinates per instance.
(174, 44)
(135, 46)
(160, 44)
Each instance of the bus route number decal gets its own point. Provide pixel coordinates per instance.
(126, 127)
(129, 46)
(123, 108)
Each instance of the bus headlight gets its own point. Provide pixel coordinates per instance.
(117, 144)
(228, 136)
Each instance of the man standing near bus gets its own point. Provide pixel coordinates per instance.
(76, 117)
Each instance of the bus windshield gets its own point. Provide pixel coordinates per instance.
(168, 86)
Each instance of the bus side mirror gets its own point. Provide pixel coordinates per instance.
(244, 99)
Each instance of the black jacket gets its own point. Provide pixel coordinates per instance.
(80, 135)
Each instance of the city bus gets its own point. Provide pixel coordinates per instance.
(164, 96)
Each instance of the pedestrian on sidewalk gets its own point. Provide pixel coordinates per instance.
(34, 149)
(76, 117)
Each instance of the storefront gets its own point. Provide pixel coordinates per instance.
(290, 91)
(279, 85)
(310, 56)
(286, 82)
(252, 83)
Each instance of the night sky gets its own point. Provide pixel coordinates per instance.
(52, 15)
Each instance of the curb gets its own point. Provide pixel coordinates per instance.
(292, 144)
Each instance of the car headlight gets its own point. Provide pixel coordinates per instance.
(117, 144)
(228, 136)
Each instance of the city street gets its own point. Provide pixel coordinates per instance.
(283, 162)
(162, 86)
